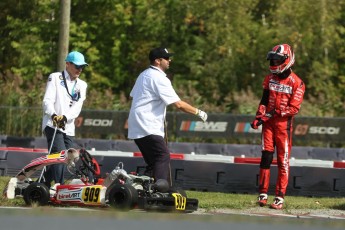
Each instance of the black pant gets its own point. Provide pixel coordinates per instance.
(156, 155)
(61, 142)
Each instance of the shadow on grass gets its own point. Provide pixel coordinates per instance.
(339, 206)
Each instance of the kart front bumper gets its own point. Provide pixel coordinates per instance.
(169, 204)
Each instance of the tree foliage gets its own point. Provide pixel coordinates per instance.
(220, 49)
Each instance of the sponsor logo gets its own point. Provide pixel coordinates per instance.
(280, 88)
(69, 195)
(244, 127)
(98, 122)
(324, 130)
(303, 129)
(199, 126)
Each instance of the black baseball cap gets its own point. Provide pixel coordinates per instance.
(159, 52)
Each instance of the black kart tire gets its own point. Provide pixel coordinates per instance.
(123, 197)
(178, 190)
(36, 193)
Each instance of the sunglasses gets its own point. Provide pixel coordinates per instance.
(166, 58)
(79, 66)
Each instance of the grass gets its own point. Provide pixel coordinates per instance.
(214, 200)
(217, 200)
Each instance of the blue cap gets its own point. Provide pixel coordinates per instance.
(76, 58)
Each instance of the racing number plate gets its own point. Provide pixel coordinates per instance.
(180, 201)
(91, 194)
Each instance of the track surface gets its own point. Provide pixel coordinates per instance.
(54, 218)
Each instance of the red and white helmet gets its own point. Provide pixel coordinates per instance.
(281, 58)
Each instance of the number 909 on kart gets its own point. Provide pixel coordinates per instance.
(91, 194)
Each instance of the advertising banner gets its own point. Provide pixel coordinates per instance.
(101, 122)
(316, 128)
(217, 126)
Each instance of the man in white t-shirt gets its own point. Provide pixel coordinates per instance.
(151, 94)
(62, 104)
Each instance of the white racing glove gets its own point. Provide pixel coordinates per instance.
(201, 114)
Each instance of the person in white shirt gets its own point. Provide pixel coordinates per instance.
(151, 94)
(62, 104)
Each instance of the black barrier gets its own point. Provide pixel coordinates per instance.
(126, 146)
(301, 152)
(3, 162)
(242, 150)
(182, 147)
(100, 144)
(314, 181)
(245, 150)
(3, 155)
(16, 160)
(12, 141)
(243, 178)
(39, 143)
(206, 148)
(211, 176)
(3, 140)
(327, 153)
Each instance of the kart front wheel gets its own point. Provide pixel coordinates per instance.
(36, 193)
(123, 197)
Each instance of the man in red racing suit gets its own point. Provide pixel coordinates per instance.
(283, 93)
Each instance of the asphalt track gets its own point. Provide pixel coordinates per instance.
(54, 218)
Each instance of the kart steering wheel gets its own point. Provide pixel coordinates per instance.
(89, 162)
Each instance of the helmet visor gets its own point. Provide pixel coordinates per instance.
(275, 56)
(275, 59)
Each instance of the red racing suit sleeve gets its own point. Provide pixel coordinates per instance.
(261, 111)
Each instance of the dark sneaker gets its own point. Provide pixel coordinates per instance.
(262, 199)
(277, 203)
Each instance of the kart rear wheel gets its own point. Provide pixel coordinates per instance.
(123, 197)
(36, 193)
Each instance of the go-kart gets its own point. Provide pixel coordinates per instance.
(118, 189)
